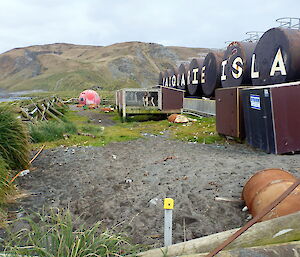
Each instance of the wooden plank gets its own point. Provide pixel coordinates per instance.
(280, 230)
(52, 115)
(55, 111)
(42, 111)
(291, 249)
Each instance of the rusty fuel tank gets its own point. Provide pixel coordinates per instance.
(276, 57)
(236, 64)
(210, 76)
(173, 77)
(166, 78)
(266, 186)
(194, 85)
(161, 78)
(182, 76)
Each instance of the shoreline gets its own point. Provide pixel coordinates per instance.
(6, 96)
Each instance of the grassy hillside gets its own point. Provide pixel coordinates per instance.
(59, 67)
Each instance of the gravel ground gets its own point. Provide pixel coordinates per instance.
(124, 183)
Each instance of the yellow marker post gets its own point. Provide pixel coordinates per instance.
(168, 206)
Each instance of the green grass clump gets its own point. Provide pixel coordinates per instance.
(50, 131)
(5, 190)
(201, 131)
(119, 133)
(56, 235)
(92, 129)
(14, 140)
(4, 187)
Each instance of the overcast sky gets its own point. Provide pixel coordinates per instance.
(194, 23)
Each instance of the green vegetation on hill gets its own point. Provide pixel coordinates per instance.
(72, 80)
(63, 67)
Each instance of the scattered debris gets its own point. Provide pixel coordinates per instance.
(86, 134)
(165, 159)
(245, 208)
(154, 201)
(249, 217)
(107, 109)
(155, 236)
(24, 172)
(182, 178)
(178, 118)
(114, 157)
(148, 134)
(93, 106)
(169, 158)
(37, 154)
(43, 109)
(66, 136)
(212, 183)
(128, 181)
(226, 199)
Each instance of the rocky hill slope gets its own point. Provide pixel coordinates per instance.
(66, 67)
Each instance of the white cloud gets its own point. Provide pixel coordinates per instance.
(102, 22)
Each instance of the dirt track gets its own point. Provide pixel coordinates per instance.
(126, 182)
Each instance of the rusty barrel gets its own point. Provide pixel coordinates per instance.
(276, 57)
(161, 79)
(236, 64)
(194, 85)
(211, 73)
(266, 186)
(182, 76)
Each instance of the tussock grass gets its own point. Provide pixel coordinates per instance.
(4, 186)
(56, 235)
(50, 131)
(14, 151)
(14, 140)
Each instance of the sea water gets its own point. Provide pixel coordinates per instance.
(19, 95)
